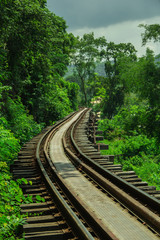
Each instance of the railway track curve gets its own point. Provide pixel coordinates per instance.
(50, 161)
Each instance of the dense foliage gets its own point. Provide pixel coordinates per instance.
(34, 54)
(125, 134)
(115, 87)
(16, 127)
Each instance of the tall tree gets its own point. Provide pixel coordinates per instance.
(115, 87)
(86, 53)
(143, 78)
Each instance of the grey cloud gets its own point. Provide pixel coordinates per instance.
(102, 13)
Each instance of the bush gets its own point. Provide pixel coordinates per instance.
(11, 227)
(19, 121)
(9, 145)
(149, 171)
(11, 197)
(134, 145)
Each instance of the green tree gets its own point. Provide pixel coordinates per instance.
(114, 85)
(87, 52)
(152, 32)
(143, 80)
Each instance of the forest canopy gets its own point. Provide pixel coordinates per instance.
(34, 54)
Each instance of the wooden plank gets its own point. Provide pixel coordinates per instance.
(40, 227)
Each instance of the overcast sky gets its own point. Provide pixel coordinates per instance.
(117, 20)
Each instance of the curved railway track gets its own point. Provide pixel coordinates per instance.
(76, 201)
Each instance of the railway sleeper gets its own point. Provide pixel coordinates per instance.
(157, 196)
(81, 138)
(38, 211)
(111, 166)
(35, 190)
(104, 161)
(89, 151)
(23, 161)
(54, 235)
(40, 219)
(25, 157)
(125, 173)
(41, 227)
(147, 188)
(36, 205)
(82, 144)
(30, 186)
(21, 168)
(81, 135)
(25, 172)
(137, 184)
(125, 177)
(82, 128)
(25, 153)
(22, 165)
(110, 157)
(100, 158)
(153, 192)
(30, 143)
(133, 180)
(94, 154)
(114, 167)
(24, 175)
(29, 147)
(86, 147)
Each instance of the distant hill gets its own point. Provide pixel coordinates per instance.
(99, 69)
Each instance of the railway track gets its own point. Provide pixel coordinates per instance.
(65, 214)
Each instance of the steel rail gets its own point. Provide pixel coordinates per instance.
(116, 185)
(77, 226)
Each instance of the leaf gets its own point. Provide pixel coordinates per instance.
(24, 180)
(30, 182)
(18, 198)
(38, 198)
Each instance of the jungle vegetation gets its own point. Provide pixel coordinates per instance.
(36, 90)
